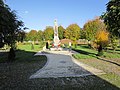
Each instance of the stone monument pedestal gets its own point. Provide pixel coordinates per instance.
(56, 41)
(56, 49)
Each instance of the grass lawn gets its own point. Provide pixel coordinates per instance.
(23, 53)
(110, 63)
(86, 53)
(29, 48)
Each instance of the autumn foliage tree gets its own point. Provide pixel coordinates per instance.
(72, 32)
(91, 27)
(102, 40)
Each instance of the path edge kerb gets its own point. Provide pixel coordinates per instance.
(85, 65)
(32, 77)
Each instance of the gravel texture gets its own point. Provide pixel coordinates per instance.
(63, 65)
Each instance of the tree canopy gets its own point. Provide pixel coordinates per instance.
(48, 33)
(32, 35)
(102, 37)
(61, 32)
(92, 26)
(10, 26)
(72, 32)
(112, 17)
(40, 35)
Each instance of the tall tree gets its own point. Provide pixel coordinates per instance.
(48, 33)
(72, 32)
(61, 32)
(112, 17)
(9, 28)
(92, 26)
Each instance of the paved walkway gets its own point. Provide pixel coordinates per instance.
(62, 64)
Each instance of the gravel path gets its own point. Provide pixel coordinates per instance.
(61, 64)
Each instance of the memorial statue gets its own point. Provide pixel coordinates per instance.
(56, 41)
(56, 38)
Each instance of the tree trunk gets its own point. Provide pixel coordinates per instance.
(100, 50)
(11, 55)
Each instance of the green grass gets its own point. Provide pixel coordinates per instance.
(111, 78)
(29, 48)
(111, 55)
(82, 56)
(27, 56)
(112, 71)
(109, 63)
(24, 53)
(86, 53)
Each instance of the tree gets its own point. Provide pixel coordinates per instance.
(9, 27)
(21, 36)
(102, 39)
(32, 35)
(82, 34)
(112, 17)
(40, 35)
(61, 32)
(48, 33)
(91, 27)
(72, 32)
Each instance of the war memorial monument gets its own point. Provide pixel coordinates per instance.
(56, 41)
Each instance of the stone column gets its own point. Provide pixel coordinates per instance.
(56, 38)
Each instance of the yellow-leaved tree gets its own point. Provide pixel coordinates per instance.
(102, 40)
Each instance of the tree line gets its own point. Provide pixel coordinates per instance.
(73, 31)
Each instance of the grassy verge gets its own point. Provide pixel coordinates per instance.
(86, 53)
(110, 63)
(112, 71)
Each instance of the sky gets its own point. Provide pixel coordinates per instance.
(37, 14)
